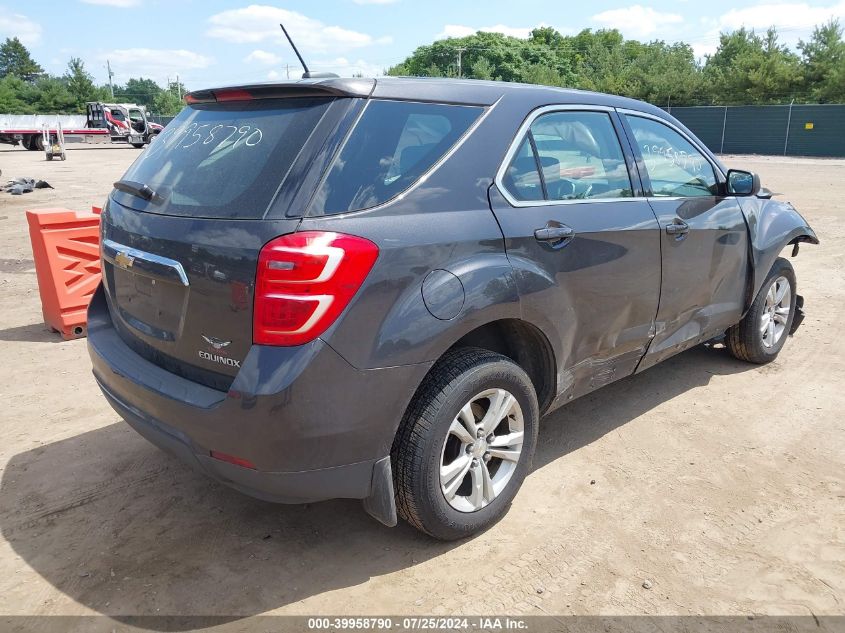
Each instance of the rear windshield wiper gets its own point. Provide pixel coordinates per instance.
(137, 189)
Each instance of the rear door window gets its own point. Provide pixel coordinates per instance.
(568, 155)
(522, 177)
(223, 160)
(392, 146)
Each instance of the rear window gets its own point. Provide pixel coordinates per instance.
(223, 160)
(391, 147)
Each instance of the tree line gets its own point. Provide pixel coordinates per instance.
(746, 67)
(26, 89)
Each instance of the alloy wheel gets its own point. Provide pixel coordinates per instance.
(775, 316)
(481, 450)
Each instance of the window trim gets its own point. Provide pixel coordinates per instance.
(705, 153)
(526, 127)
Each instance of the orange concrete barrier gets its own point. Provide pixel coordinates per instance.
(66, 249)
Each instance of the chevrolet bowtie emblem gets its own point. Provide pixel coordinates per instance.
(124, 260)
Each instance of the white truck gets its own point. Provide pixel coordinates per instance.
(103, 123)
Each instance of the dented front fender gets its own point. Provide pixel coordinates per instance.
(772, 225)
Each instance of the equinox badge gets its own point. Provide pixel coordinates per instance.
(218, 344)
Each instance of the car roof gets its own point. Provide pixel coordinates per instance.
(459, 91)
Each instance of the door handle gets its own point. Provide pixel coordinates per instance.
(678, 227)
(553, 233)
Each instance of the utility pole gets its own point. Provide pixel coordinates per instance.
(111, 86)
(287, 70)
(460, 52)
(178, 87)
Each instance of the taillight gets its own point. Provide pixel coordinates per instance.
(304, 281)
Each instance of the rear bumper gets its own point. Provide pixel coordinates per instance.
(314, 426)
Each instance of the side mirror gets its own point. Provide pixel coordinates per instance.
(743, 183)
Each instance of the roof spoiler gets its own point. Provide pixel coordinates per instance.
(311, 87)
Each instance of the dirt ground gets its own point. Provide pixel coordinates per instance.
(720, 483)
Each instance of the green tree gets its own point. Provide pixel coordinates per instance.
(482, 69)
(141, 91)
(167, 103)
(16, 60)
(541, 75)
(11, 96)
(80, 84)
(52, 95)
(747, 68)
(823, 61)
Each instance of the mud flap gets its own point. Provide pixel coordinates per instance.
(799, 313)
(381, 504)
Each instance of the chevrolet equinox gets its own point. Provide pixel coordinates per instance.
(373, 289)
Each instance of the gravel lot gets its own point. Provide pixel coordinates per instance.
(719, 483)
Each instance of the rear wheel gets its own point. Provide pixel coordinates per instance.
(465, 445)
(138, 145)
(762, 333)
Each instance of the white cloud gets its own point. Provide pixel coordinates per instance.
(154, 63)
(121, 4)
(19, 26)
(273, 74)
(637, 21)
(459, 30)
(794, 21)
(263, 57)
(785, 16)
(375, 1)
(257, 23)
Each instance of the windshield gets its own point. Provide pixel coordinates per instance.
(223, 160)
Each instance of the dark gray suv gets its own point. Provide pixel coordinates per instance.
(373, 289)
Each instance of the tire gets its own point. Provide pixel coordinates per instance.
(138, 145)
(29, 143)
(37, 144)
(455, 390)
(759, 337)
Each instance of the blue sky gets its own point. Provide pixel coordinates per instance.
(209, 42)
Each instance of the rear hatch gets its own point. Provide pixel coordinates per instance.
(184, 227)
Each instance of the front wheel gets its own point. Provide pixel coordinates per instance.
(761, 334)
(465, 444)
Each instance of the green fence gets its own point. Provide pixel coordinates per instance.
(782, 130)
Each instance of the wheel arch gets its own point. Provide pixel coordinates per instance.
(772, 225)
(523, 343)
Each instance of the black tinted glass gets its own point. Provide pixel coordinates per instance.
(393, 144)
(223, 160)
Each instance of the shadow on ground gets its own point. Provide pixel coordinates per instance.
(125, 530)
(33, 333)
